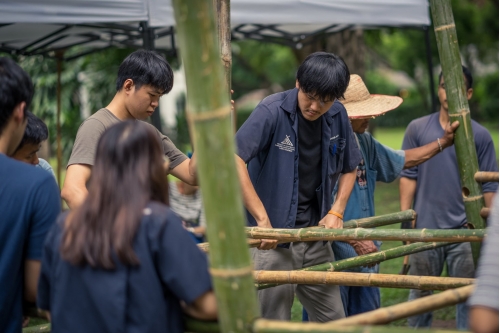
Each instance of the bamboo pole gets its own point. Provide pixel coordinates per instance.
(367, 259)
(458, 109)
(208, 113)
(361, 279)
(412, 235)
(484, 177)
(45, 328)
(368, 222)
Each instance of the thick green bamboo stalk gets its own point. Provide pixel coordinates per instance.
(367, 259)
(412, 235)
(368, 222)
(208, 113)
(361, 279)
(45, 328)
(484, 177)
(458, 109)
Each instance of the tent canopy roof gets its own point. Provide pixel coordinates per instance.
(40, 27)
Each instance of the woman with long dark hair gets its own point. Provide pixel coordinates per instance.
(122, 262)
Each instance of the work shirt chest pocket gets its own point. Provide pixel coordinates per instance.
(336, 156)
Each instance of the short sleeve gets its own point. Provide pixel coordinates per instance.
(175, 156)
(182, 266)
(255, 133)
(486, 293)
(386, 161)
(44, 286)
(410, 141)
(486, 158)
(85, 146)
(47, 205)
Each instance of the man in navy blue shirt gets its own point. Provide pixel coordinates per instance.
(29, 202)
(297, 144)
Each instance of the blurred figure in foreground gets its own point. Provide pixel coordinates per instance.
(123, 260)
(483, 316)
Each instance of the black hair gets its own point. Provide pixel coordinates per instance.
(15, 87)
(467, 75)
(146, 67)
(36, 131)
(324, 75)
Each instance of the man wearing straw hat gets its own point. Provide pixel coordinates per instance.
(379, 163)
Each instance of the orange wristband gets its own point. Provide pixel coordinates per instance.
(340, 216)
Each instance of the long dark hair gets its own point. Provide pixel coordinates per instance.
(127, 174)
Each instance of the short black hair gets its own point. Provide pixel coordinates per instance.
(146, 67)
(468, 77)
(15, 87)
(36, 131)
(325, 75)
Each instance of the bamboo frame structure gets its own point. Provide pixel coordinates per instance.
(45, 328)
(318, 234)
(486, 176)
(367, 259)
(361, 279)
(208, 112)
(458, 109)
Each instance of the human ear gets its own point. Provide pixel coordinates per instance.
(469, 93)
(128, 85)
(18, 114)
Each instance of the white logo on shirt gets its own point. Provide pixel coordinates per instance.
(286, 144)
(336, 136)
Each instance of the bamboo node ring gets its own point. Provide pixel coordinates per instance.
(445, 27)
(228, 273)
(209, 115)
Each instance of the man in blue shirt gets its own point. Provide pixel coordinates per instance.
(435, 190)
(297, 143)
(29, 202)
(379, 163)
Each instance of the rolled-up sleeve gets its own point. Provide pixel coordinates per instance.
(352, 154)
(487, 159)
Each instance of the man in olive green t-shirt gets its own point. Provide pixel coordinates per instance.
(143, 77)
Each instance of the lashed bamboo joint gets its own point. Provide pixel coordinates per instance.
(361, 279)
(209, 115)
(484, 177)
(317, 234)
(445, 27)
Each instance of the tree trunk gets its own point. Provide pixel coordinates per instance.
(458, 109)
(208, 113)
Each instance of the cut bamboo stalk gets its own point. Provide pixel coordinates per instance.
(367, 259)
(208, 112)
(484, 177)
(458, 109)
(318, 234)
(361, 279)
(368, 222)
(45, 328)
(274, 326)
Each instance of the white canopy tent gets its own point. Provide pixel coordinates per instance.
(39, 27)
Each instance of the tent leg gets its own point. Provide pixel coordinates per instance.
(148, 43)
(429, 68)
(59, 57)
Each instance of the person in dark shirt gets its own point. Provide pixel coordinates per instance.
(122, 261)
(29, 202)
(297, 144)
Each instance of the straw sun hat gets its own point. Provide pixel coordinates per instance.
(359, 103)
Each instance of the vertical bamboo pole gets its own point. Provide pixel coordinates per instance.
(59, 57)
(223, 19)
(458, 109)
(208, 112)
